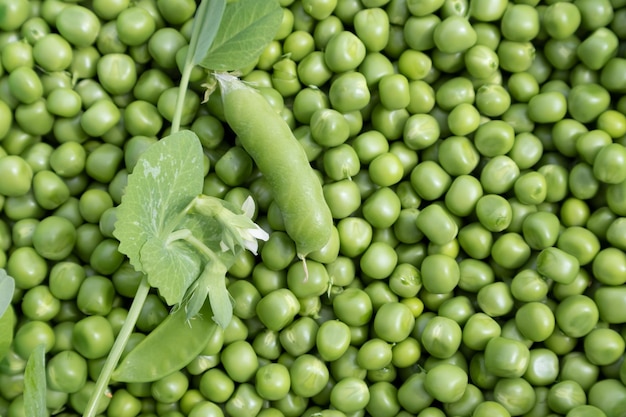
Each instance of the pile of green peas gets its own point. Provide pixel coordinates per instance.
(472, 154)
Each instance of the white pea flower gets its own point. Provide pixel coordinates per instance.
(238, 229)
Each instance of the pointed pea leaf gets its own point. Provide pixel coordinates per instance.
(207, 23)
(247, 27)
(167, 176)
(220, 300)
(35, 383)
(7, 288)
(7, 325)
(212, 282)
(171, 267)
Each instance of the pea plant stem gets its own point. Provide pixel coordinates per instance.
(180, 100)
(188, 67)
(118, 347)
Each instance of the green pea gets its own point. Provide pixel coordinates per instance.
(422, 97)
(349, 395)
(522, 86)
(93, 337)
(607, 165)
(510, 251)
(276, 319)
(332, 339)
(494, 138)
(343, 198)
(34, 118)
(476, 240)
(430, 180)
(603, 346)
(312, 70)
(611, 76)
(579, 242)
(273, 381)
(615, 194)
(463, 119)
(389, 122)
(453, 92)
(557, 265)
(308, 100)
(506, 390)
(478, 330)
(437, 224)
(66, 371)
(379, 260)
(440, 273)
(515, 56)
(493, 212)
(586, 102)
(495, 299)
(344, 52)
(454, 34)
(38, 303)
(446, 383)
(458, 155)
(96, 295)
(17, 174)
(386, 169)
(382, 208)
(372, 27)
(506, 358)
(556, 178)
(598, 48)
(419, 31)
(394, 91)
(216, 385)
(420, 131)
(329, 127)
(25, 85)
(284, 77)
(414, 65)
(561, 53)
(492, 100)
(608, 266)
(353, 307)
(298, 338)
(374, 354)
(531, 188)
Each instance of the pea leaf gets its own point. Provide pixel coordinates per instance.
(7, 288)
(247, 26)
(212, 281)
(166, 178)
(206, 23)
(35, 383)
(7, 325)
(220, 300)
(171, 267)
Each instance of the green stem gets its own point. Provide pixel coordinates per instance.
(187, 68)
(180, 100)
(118, 347)
(187, 236)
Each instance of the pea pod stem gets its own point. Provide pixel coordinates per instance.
(118, 347)
(187, 68)
(180, 100)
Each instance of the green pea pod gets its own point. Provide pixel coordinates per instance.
(269, 140)
(161, 352)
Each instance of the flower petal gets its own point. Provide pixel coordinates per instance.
(259, 233)
(252, 245)
(248, 207)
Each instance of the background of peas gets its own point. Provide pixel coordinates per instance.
(473, 157)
